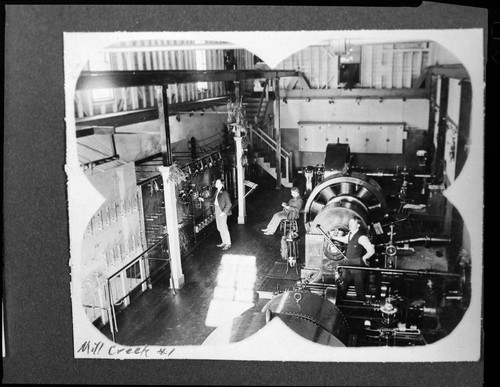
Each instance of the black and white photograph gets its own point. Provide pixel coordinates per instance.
(184, 154)
(287, 196)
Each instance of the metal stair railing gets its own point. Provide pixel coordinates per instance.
(271, 144)
(146, 277)
(266, 95)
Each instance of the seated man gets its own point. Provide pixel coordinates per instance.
(291, 210)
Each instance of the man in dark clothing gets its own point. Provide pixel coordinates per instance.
(222, 211)
(359, 250)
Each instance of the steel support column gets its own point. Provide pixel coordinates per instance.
(277, 129)
(240, 177)
(170, 198)
(240, 171)
(166, 147)
(442, 128)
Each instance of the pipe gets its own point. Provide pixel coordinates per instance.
(423, 239)
(419, 272)
(379, 174)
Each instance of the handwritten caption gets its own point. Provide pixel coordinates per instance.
(100, 348)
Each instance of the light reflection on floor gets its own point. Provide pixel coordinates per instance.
(234, 291)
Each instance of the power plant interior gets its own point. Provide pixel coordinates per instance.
(370, 128)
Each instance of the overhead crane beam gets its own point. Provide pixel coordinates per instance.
(136, 116)
(115, 79)
(457, 71)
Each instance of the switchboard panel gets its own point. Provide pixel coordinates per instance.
(361, 137)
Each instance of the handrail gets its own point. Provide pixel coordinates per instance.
(257, 115)
(118, 301)
(270, 142)
(286, 155)
(108, 310)
(268, 139)
(111, 303)
(128, 265)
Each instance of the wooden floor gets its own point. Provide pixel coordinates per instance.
(221, 285)
(160, 317)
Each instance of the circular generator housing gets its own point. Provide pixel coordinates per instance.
(330, 206)
(341, 196)
(311, 316)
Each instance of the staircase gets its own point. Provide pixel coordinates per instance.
(257, 110)
(267, 166)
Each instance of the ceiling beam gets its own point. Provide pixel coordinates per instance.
(149, 114)
(118, 119)
(175, 47)
(356, 93)
(87, 130)
(115, 79)
(457, 71)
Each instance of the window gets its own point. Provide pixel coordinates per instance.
(349, 70)
(349, 74)
(102, 63)
(201, 64)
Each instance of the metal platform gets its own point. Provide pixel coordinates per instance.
(278, 279)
